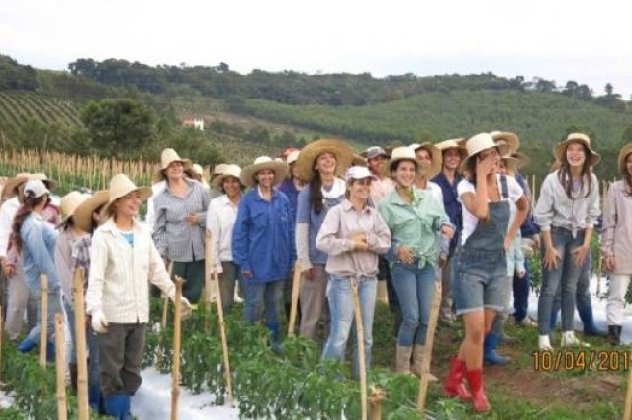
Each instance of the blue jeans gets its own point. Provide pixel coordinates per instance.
(266, 298)
(582, 298)
(565, 276)
(94, 370)
(521, 288)
(342, 318)
(53, 306)
(480, 279)
(415, 288)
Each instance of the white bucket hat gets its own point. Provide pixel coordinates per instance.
(247, 176)
(120, 186)
(358, 172)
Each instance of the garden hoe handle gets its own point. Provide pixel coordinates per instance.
(209, 269)
(430, 333)
(296, 288)
(627, 414)
(165, 305)
(360, 333)
(60, 362)
(222, 333)
(44, 320)
(80, 345)
(175, 366)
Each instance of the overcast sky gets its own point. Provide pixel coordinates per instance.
(585, 41)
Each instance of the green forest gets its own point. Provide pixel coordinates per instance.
(115, 107)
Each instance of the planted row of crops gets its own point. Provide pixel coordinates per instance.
(16, 108)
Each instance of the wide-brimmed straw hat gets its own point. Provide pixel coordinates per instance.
(69, 204)
(83, 212)
(307, 158)
(229, 170)
(358, 160)
(623, 155)
(292, 157)
(435, 155)
(49, 183)
(515, 160)
(458, 144)
(120, 186)
(510, 139)
(248, 173)
(12, 184)
(560, 148)
(167, 157)
(479, 143)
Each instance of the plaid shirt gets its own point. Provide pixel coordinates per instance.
(81, 258)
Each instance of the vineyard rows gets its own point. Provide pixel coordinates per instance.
(16, 108)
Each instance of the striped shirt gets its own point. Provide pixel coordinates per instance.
(174, 237)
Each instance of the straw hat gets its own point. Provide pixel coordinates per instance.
(623, 155)
(403, 153)
(83, 212)
(481, 142)
(457, 144)
(12, 184)
(247, 176)
(560, 148)
(358, 160)
(515, 160)
(167, 157)
(435, 155)
(197, 169)
(307, 158)
(229, 170)
(292, 157)
(120, 186)
(69, 204)
(505, 137)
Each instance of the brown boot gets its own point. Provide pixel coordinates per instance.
(402, 359)
(72, 368)
(418, 356)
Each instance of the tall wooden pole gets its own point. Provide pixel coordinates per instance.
(165, 305)
(427, 357)
(296, 288)
(627, 414)
(60, 365)
(43, 319)
(361, 359)
(80, 344)
(175, 366)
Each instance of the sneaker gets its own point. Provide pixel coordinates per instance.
(544, 343)
(527, 322)
(569, 339)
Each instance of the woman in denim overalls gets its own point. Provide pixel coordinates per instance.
(480, 263)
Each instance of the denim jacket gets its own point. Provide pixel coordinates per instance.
(38, 250)
(263, 237)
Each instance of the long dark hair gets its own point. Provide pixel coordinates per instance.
(316, 193)
(23, 213)
(564, 174)
(627, 176)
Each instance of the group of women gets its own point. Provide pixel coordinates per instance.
(416, 216)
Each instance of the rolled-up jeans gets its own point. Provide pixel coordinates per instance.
(415, 288)
(566, 274)
(339, 296)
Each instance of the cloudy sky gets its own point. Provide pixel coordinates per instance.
(585, 41)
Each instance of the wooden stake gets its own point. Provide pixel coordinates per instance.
(165, 305)
(377, 395)
(222, 333)
(60, 365)
(361, 360)
(627, 414)
(296, 288)
(80, 345)
(175, 369)
(427, 357)
(43, 320)
(208, 278)
(1, 334)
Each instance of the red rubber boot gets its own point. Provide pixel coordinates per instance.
(453, 385)
(479, 399)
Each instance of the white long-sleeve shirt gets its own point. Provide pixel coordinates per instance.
(7, 214)
(220, 220)
(120, 274)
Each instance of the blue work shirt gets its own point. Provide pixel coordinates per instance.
(38, 250)
(452, 205)
(288, 188)
(263, 237)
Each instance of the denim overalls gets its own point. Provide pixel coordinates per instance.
(481, 263)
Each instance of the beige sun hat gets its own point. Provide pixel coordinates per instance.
(120, 186)
(623, 155)
(505, 137)
(307, 158)
(515, 160)
(458, 144)
(435, 155)
(83, 212)
(247, 175)
(198, 169)
(403, 153)
(560, 148)
(479, 143)
(12, 184)
(229, 170)
(292, 157)
(167, 157)
(69, 204)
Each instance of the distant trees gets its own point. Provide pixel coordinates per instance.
(15, 76)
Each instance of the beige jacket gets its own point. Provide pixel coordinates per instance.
(616, 234)
(120, 274)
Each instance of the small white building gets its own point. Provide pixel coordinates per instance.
(194, 122)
